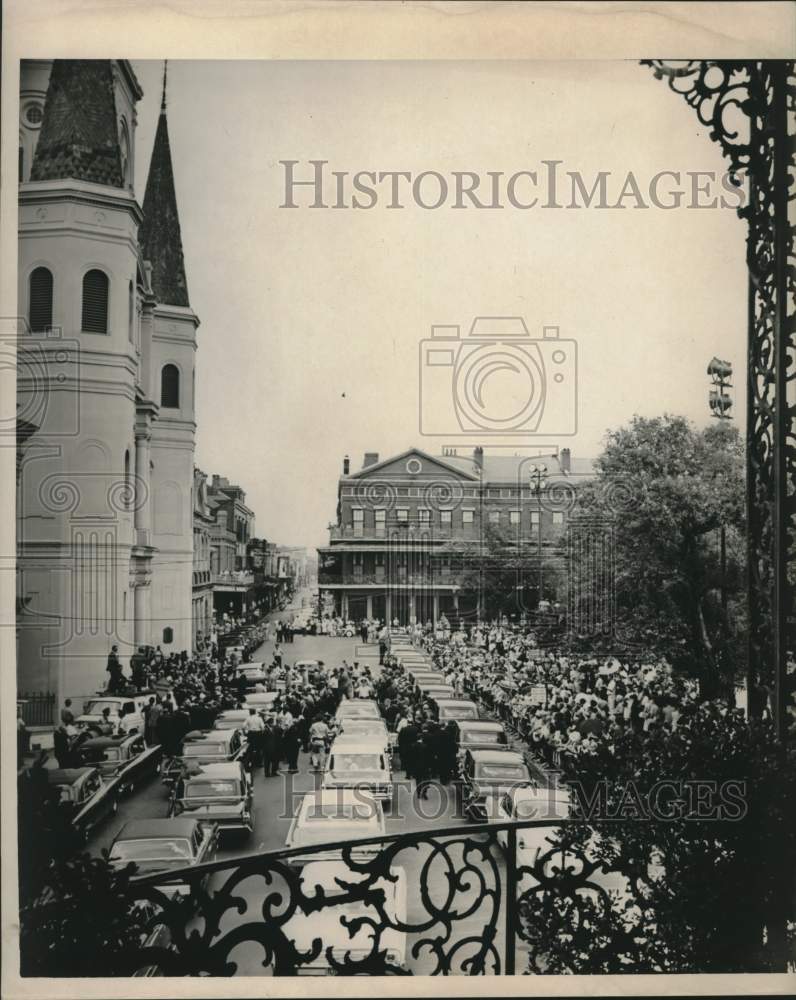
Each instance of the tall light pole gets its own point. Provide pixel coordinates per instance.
(720, 403)
(537, 475)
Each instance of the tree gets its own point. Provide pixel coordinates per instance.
(711, 801)
(667, 489)
(502, 575)
(84, 923)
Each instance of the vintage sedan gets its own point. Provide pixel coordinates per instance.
(435, 691)
(329, 815)
(84, 797)
(480, 734)
(554, 805)
(456, 710)
(357, 708)
(126, 758)
(231, 718)
(348, 942)
(216, 746)
(263, 701)
(220, 793)
(427, 677)
(254, 673)
(486, 776)
(165, 845)
(360, 762)
(369, 729)
(124, 712)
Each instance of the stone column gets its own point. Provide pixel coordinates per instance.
(344, 611)
(369, 612)
(436, 607)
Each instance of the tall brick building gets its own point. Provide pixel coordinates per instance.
(410, 527)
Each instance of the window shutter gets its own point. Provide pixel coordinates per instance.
(41, 300)
(95, 302)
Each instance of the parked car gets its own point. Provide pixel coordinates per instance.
(85, 798)
(486, 775)
(165, 845)
(126, 713)
(216, 746)
(126, 758)
(357, 708)
(360, 762)
(456, 710)
(330, 815)
(427, 677)
(220, 793)
(253, 672)
(263, 701)
(532, 843)
(480, 734)
(434, 690)
(375, 729)
(348, 941)
(231, 718)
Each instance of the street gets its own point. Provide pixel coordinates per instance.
(274, 800)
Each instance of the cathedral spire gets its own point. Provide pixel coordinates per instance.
(79, 135)
(163, 99)
(159, 235)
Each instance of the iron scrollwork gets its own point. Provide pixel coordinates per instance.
(750, 108)
(457, 918)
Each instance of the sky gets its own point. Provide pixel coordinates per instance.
(312, 319)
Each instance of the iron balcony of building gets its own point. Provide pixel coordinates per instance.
(234, 582)
(471, 910)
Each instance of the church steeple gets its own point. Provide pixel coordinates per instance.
(159, 235)
(79, 132)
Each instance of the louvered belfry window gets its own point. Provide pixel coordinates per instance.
(170, 387)
(40, 314)
(95, 302)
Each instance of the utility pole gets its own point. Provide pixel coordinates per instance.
(538, 482)
(720, 403)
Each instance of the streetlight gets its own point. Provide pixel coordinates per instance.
(720, 401)
(537, 475)
(720, 404)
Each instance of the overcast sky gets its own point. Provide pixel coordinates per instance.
(311, 319)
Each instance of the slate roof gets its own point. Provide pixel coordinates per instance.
(79, 137)
(159, 235)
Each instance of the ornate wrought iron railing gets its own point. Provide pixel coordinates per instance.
(452, 901)
(750, 110)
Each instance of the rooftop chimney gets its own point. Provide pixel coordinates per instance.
(564, 460)
(346, 465)
(371, 458)
(478, 456)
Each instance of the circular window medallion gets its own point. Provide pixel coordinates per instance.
(34, 114)
(413, 466)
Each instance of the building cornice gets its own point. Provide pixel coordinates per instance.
(80, 192)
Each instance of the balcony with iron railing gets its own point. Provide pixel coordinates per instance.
(233, 578)
(462, 900)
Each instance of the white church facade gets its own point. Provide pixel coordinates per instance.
(106, 412)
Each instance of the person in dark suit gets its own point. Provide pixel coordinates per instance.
(271, 750)
(407, 740)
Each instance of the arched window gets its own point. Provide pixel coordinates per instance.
(40, 312)
(170, 387)
(95, 302)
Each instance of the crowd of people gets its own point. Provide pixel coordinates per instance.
(562, 703)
